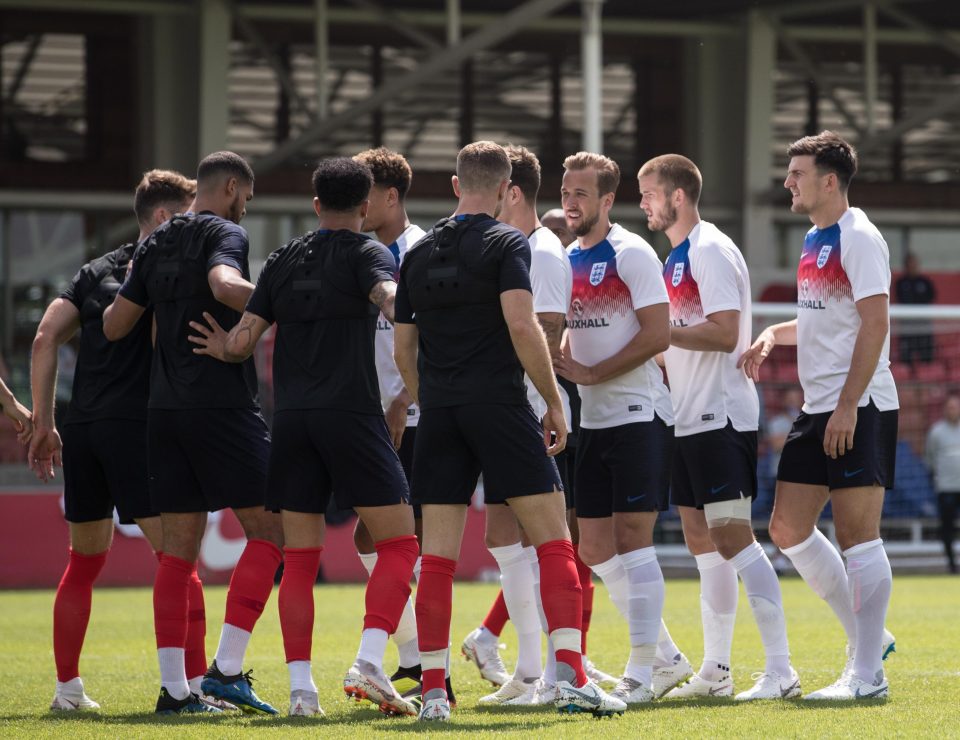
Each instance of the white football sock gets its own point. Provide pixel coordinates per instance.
(416, 569)
(719, 591)
(300, 676)
(645, 610)
(614, 577)
(870, 577)
(667, 650)
(173, 676)
(232, 648)
(820, 565)
(516, 580)
(763, 590)
(194, 684)
(373, 644)
(406, 635)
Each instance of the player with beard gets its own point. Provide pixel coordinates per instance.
(464, 305)
(207, 441)
(842, 447)
(717, 413)
(618, 322)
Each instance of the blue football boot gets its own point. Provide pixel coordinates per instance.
(237, 690)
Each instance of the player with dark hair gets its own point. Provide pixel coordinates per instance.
(104, 447)
(323, 291)
(842, 447)
(387, 218)
(617, 323)
(464, 304)
(717, 410)
(208, 444)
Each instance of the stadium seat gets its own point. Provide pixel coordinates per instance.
(901, 371)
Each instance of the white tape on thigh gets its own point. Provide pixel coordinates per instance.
(722, 513)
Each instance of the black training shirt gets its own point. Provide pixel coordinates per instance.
(112, 379)
(465, 352)
(316, 289)
(170, 274)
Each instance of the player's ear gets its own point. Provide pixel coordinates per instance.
(393, 196)
(455, 182)
(231, 186)
(364, 207)
(316, 206)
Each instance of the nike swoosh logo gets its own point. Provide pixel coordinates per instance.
(791, 687)
(715, 491)
(715, 691)
(866, 695)
(72, 704)
(586, 697)
(851, 473)
(634, 499)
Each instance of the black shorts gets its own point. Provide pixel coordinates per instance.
(105, 466)
(319, 453)
(871, 462)
(405, 453)
(714, 466)
(566, 464)
(455, 444)
(207, 459)
(624, 469)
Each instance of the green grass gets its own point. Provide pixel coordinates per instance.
(120, 671)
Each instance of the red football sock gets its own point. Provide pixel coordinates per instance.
(389, 586)
(295, 600)
(171, 598)
(71, 611)
(251, 583)
(498, 616)
(434, 606)
(561, 597)
(195, 655)
(586, 587)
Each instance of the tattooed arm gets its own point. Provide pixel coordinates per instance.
(552, 325)
(382, 296)
(236, 346)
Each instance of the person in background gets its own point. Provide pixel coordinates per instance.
(912, 288)
(943, 457)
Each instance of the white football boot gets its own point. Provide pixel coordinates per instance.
(589, 699)
(486, 657)
(698, 687)
(668, 676)
(771, 686)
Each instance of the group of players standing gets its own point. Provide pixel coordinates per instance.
(408, 365)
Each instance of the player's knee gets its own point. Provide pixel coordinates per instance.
(629, 535)
(784, 535)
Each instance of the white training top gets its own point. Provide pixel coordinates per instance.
(705, 274)
(612, 280)
(840, 265)
(552, 279)
(387, 374)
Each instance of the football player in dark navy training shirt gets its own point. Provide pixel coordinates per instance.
(207, 442)
(464, 304)
(104, 447)
(325, 290)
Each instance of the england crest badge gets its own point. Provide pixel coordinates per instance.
(597, 272)
(677, 274)
(824, 255)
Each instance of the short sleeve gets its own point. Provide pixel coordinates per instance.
(718, 279)
(515, 263)
(229, 247)
(552, 280)
(866, 261)
(642, 273)
(79, 288)
(134, 289)
(260, 301)
(376, 265)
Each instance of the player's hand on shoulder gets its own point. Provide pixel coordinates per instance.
(753, 358)
(44, 452)
(210, 338)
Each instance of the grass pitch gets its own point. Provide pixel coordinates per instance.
(120, 671)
